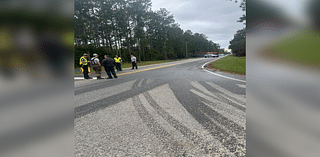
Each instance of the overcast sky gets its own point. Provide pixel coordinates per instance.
(217, 19)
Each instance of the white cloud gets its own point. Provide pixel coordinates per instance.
(217, 19)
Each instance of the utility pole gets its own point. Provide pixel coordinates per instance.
(186, 50)
(165, 52)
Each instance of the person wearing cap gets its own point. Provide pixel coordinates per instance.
(96, 65)
(84, 65)
(118, 61)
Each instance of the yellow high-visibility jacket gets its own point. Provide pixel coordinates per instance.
(83, 59)
(117, 60)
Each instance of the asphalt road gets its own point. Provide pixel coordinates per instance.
(170, 109)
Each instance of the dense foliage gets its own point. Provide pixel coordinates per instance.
(238, 43)
(126, 27)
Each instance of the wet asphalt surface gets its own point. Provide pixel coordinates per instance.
(177, 110)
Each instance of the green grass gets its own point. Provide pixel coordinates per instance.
(231, 64)
(127, 65)
(301, 47)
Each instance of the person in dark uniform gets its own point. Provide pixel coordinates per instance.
(108, 64)
(118, 61)
(84, 65)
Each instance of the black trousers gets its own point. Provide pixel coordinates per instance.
(85, 71)
(109, 71)
(118, 66)
(134, 64)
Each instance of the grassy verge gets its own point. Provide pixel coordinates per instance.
(230, 64)
(127, 65)
(301, 47)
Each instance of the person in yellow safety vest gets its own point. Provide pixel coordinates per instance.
(84, 65)
(96, 65)
(118, 61)
(89, 72)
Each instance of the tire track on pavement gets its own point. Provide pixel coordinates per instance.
(200, 112)
(105, 102)
(215, 103)
(230, 125)
(177, 125)
(227, 140)
(97, 94)
(157, 129)
(223, 99)
(171, 110)
(238, 98)
(169, 142)
(228, 111)
(230, 133)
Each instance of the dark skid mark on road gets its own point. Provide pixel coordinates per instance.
(144, 82)
(219, 133)
(234, 99)
(177, 125)
(239, 130)
(157, 129)
(233, 84)
(109, 101)
(135, 84)
(223, 99)
(96, 85)
(197, 110)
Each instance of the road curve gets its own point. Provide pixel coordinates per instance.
(171, 109)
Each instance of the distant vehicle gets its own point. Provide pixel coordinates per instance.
(210, 55)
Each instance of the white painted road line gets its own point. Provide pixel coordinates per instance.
(219, 74)
(82, 78)
(224, 76)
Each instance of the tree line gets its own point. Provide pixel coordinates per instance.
(238, 43)
(125, 27)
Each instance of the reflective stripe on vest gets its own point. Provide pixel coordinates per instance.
(117, 60)
(84, 60)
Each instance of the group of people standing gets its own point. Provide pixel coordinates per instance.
(107, 62)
